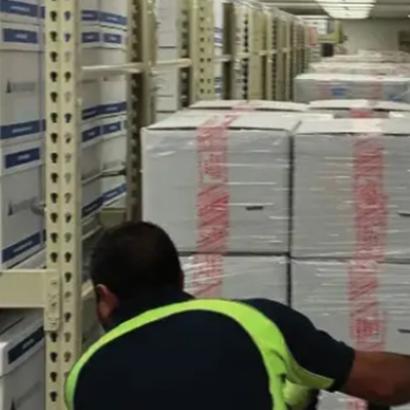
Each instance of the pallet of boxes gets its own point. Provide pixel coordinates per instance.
(350, 248)
(218, 182)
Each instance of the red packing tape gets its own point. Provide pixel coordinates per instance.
(367, 318)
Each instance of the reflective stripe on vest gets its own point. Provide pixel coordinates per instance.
(277, 358)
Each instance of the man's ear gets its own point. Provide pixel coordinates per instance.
(107, 303)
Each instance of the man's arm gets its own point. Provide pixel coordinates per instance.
(381, 378)
(319, 360)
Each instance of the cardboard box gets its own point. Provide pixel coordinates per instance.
(91, 99)
(254, 105)
(90, 11)
(349, 108)
(91, 150)
(20, 112)
(168, 89)
(114, 158)
(22, 361)
(114, 13)
(311, 87)
(323, 291)
(360, 68)
(113, 96)
(92, 200)
(251, 167)
(22, 223)
(22, 11)
(341, 169)
(236, 277)
(103, 45)
(169, 15)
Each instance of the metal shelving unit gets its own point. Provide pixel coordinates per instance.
(59, 289)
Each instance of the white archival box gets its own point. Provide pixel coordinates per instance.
(321, 291)
(114, 157)
(103, 45)
(219, 80)
(257, 172)
(257, 105)
(168, 89)
(22, 224)
(169, 22)
(114, 13)
(344, 108)
(328, 163)
(91, 149)
(20, 82)
(113, 96)
(22, 361)
(22, 11)
(243, 277)
(91, 97)
(311, 87)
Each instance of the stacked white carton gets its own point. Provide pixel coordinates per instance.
(348, 108)
(360, 68)
(327, 165)
(22, 361)
(314, 86)
(350, 236)
(168, 82)
(104, 41)
(254, 105)
(21, 126)
(225, 178)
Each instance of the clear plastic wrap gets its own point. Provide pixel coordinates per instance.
(237, 277)
(367, 307)
(313, 86)
(338, 166)
(220, 182)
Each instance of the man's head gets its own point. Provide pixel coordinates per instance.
(130, 260)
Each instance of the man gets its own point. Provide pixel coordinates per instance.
(165, 350)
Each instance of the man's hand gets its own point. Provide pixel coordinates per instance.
(380, 378)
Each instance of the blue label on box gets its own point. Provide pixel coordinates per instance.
(20, 36)
(112, 128)
(22, 158)
(19, 8)
(21, 247)
(115, 193)
(338, 91)
(91, 112)
(25, 345)
(91, 134)
(20, 130)
(115, 108)
(89, 15)
(111, 18)
(92, 207)
(90, 37)
(111, 38)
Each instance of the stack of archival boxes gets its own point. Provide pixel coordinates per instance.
(171, 16)
(331, 86)
(219, 184)
(22, 224)
(351, 232)
(104, 42)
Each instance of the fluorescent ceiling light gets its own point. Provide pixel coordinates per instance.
(347, 9)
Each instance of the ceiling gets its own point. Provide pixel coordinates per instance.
(381, 9)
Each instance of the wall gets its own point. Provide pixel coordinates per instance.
(375, 34)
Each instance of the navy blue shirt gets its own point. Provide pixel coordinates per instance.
(200, 360)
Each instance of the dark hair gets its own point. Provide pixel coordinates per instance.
(136, 257)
